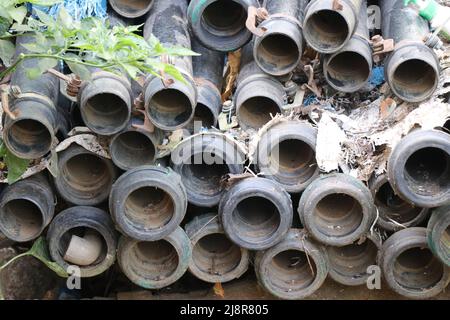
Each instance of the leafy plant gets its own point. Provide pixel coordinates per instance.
(16, 166)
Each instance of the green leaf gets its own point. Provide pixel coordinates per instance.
(18, 13)
(43, 65)
(7, 50)
(45, 3)
(16, 166)
(77, 68)
(32, 47)
(4, 25)
(33, 73)
(174, 72)
(21, 27)
(39, 250)
(64, 19)
(180, 51)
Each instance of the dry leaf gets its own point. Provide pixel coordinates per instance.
(218, 290)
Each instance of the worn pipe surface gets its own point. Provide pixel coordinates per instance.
(131, 8)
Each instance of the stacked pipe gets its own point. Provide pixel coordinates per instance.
(219, 208)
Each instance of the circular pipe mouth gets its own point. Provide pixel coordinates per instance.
(347, 71)
(255, 219)
(257, 111)
(21, 220)
(326, 31)
(427, 171)
(417, 269)
(131, 8)
(203, 117)
(291, 271)
(277, 53)
(81, 232)
(224, 18)
(149, 208)
(414, 80)
(395, 208)
(338, 215)
(85, 175)
(106, 113)
(131, 149)
(29, 138)
(216, 255)
(153, 260)
(170, 107)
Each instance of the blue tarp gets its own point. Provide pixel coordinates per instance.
(77, 9)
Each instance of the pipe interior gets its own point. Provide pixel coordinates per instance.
(257, 111)
(131, 149)
(427, 171)
(132, 6)
(278, 51)
(216, 255)
(149, 207)
(29, 136)
(170, 107)
(153, 260)
(291, 271)
(86, 175)
(256, 219)
(394, 207)
(417, 269)
(326, 30)
(105, 112)
(22, 218)
(348, 70)
(224, 18)
(414, 79)
(338, 215)
(444, 242)
(203, 116)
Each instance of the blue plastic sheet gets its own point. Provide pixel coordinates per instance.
(77, 9)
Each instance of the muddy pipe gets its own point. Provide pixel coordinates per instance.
(279, 50)
(131, 8)
(31, 133)
(258, 96)
(349, 69)
(412, 69)
(330, 24)
(438, 233)
(220, 24)
(26, 208)
(170, 106)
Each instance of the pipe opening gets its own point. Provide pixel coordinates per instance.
(105, 112)
(204, 115)
(427, 171)
(216, 255)
(170, 107)
(85, 175)
(155, 260)
(131, 7)
(224, 18)
(338, 215)
(417, 269)
(291, 271)
(444, 241)
(353, 260)
(83, 232)
(131, 149)
(29, 136)
(22, 218)
(326, 30)
(294, 157)
(149, 207)
(256, 112)
(256, 218)
(348, 70)
(395, 208)
(414, 79)
(277, 52)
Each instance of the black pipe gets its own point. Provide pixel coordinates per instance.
(131, 8)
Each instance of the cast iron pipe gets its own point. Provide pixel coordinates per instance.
(170, 107)
(293, 269)
(287, 154)
(31, 133)
(131, 8)
(326, 28)
(409, 267)
(258, 95)
(26, 208)
(256, 213)
(214, 257)
(394, 212)
(202, 161)
(155, 264)
(337, 209)
(83, 223)
(220, 24)
(412, 69)
(349, 69)
(148, 202)
(419, 168)
(84, 178)
(438, 234)
(279, 50)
